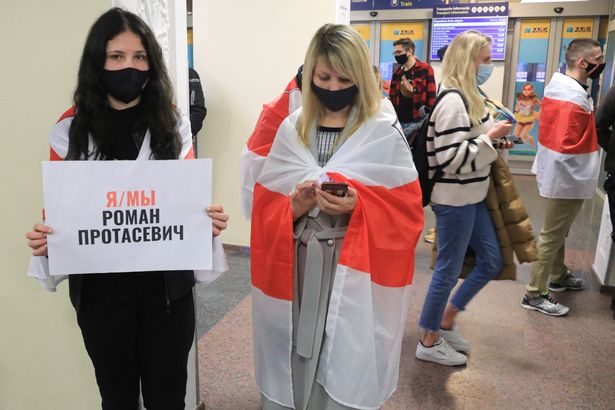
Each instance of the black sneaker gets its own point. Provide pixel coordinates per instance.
(569, 282)
(544, 304)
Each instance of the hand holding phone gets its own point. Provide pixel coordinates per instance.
(503, 143)
(336, 198)
(335, 188)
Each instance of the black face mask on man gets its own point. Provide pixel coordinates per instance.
(401, 59)
(594, 70)
(124, 85)
(335, 100)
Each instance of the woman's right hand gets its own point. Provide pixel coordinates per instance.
(303, 199)
(37, 239)
(500, 129)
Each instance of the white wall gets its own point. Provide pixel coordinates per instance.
(43, 364)
(246, 53)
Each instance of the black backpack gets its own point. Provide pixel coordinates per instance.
(418, 146)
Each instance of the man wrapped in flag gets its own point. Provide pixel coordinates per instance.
(331, 274)
(566, 168)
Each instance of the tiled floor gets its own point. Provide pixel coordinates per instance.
(519, 360)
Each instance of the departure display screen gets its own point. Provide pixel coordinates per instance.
(444, 30)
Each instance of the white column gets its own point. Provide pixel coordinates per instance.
(167, 19)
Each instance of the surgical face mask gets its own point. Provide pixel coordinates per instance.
(401, 59)
(124, 85)
(594, 70)
(335, 100)
(483, 73)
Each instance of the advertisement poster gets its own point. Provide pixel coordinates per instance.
(364, 31)
(389, 33)
(574, 28)
(530, 84)
(128, 216)
(190, 48)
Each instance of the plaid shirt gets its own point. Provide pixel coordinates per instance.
(424, 88)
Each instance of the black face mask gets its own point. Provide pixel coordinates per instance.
(401, 59)
(594, 70)
(335, 100)
(124, 85)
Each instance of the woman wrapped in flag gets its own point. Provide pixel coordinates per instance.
(331, 274)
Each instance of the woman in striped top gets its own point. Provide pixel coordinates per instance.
(460, 142)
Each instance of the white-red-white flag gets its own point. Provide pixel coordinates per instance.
(259, 144)
(359, 363)
(567, 161)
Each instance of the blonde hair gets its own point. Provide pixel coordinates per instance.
(343, 50)
(459, 70)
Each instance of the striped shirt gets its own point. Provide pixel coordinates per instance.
(325, 145)
(462, 150)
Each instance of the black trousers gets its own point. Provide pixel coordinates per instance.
(134, 339)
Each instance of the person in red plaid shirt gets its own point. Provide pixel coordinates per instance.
(412, 87)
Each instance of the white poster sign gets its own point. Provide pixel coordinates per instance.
(128, 216)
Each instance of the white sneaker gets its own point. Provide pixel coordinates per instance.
(441, 352)
(454, 339)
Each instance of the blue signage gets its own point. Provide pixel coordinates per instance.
(444, 30)
(358, 5)
(491, 19)
(472, 10)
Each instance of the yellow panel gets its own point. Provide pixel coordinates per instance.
(603, 31)
(395, 31)
(189, 36)
(363, 30)
(535, 28)
(578, 28)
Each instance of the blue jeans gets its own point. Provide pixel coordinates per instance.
(459, 227)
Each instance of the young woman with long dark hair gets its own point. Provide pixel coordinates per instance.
(137, 327)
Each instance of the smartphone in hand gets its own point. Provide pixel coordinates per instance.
(335, 188)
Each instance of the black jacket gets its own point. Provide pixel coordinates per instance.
(197, 102)
(605, 121)
(174, 285)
